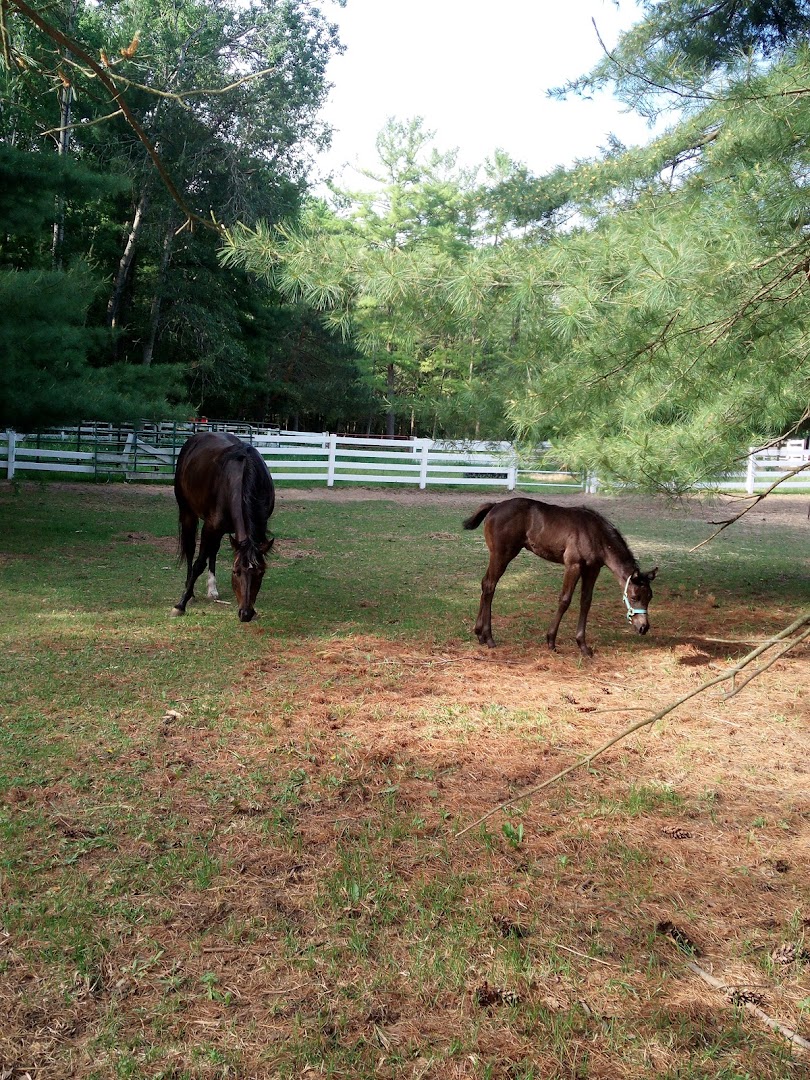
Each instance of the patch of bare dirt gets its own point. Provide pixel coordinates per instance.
(689, 840)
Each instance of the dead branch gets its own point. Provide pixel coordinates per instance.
(83, 123)
(776, 1025)
(757, 500)
(180, 96)
(769, 663)
(115, 93)
(797, 624)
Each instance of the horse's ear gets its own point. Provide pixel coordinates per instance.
(234, 544)
(651, 573)
(265, 545)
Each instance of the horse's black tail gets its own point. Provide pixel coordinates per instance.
(186, 534)
(479, 515)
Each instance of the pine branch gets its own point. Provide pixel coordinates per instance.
(643, 78)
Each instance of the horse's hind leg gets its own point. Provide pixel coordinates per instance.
(570, 579)
(188, 542)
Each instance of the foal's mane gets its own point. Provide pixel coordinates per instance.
(610, 532)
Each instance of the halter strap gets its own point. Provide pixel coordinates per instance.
(631, 611)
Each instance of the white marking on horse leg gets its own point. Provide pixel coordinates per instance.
(213, 592)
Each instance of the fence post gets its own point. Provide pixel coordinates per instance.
(511, 477)
(750, 474)
(10, 435)
(423, 464)
(330, 470)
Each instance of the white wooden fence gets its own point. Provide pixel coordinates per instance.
(149, 452)
(765, 467)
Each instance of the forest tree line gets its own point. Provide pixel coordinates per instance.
(162, 253)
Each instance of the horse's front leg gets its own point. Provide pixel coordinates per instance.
(589, 576)
(195, 569)
(213, 550)
(570, 579)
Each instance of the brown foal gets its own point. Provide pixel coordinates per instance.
(579, 538)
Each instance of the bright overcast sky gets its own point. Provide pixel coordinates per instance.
(477, 71)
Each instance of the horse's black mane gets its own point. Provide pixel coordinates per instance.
(256, 488)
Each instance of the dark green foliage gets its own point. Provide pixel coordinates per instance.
(47, 376)
(30, 183)
(51, 352)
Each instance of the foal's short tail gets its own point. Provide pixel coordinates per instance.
(479, 515)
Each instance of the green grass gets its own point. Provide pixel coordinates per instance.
(198, 881)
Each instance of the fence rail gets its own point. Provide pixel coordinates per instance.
(149, 452)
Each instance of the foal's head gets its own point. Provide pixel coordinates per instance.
(246, 576)
(637, 596)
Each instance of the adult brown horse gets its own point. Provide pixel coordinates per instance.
(225, 482)
(579, 538)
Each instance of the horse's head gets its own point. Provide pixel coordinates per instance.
(637, 596)
(246, 576)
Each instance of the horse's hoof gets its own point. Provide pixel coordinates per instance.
(177, 612)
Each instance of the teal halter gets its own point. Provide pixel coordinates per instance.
(631, 611)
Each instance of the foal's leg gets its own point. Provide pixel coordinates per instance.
(589, 576)
(570, 579)
(498, 562)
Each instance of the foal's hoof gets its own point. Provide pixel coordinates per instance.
(177, 612)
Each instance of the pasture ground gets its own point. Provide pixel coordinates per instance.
(228, 851)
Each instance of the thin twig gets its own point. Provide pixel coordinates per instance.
(797, 624)
(757, 500)
(576, 952)
(621, 708)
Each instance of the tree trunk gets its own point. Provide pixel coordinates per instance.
(154, 313)
(391, 385)
(125, 263)
(63, 148)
